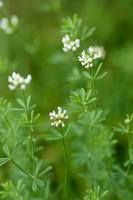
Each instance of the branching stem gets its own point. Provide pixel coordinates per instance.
(30, 132)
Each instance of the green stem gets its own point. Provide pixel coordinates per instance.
(30, 176)
(91, 150)
(66, 164)
(26, 173)
(129, 145)
(93, 86)
(8, 122)
(30, 133)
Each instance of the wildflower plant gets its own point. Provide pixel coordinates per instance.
(89, 150)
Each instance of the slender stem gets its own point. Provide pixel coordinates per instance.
(129, 146)
(30, 132)
(91, 150)
(8, 122)
(93, 86)
(20, 168)
(30, 176)
(66, 164)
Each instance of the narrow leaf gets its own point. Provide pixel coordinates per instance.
(21, 103)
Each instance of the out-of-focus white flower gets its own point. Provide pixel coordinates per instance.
(14, 20)
(97, 51)
(17, 80)
(70, 45)
(58, 119)
(1, 4)
(127, 121)
(9, 25)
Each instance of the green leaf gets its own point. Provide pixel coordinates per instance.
(82, 92)
(34, 186)
(3, 161)
(6, 149)
(88, 94)
(38, 166)
(39, 182)
(36, 117)
(91, 100)
(87, 75)
(87, 33)
(67, 130)
(98, 69)
(102, 75)
(28, 101)
(19, 184)
(54, 138)
(21, 103)
(55, 132)
(127, 163)
(45, 170)
(104, 193)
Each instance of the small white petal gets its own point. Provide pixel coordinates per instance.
(74, 48)
(10, 79)
(23, 86)
(14, 20)
(11, 87)
(91, 49)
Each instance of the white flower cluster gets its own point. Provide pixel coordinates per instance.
(17, 80)
(1, 4)
(93, 53)
(7, 25)
(127, 121)
(70, 45)
(58, 118)
(85, 60)
(97, 51)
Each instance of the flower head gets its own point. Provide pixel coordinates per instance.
(17, 80)
(8, 25)
(86, 60)
(70, 45)
(97, 51)
(93, 53)
(58, 119)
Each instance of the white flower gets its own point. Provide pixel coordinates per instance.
(70, 45)
(58, 119)
(17, 80)
(98, 52)
(8, 25)
(14, 20)
(85, 60)
(1, 4)
(93, 53)
(127, 121)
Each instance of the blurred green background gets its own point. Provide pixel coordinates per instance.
(36, 48)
